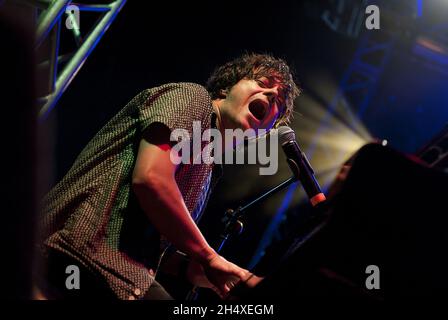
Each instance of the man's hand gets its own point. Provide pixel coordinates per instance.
(222, 274)
(196, 275)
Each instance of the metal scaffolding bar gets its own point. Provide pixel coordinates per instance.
(48, 18)
(92, 7)
(53, 65)
(73, 66)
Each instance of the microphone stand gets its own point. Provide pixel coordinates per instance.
(234, 226)
(232, 218)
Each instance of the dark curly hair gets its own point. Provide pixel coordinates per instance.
(254, 66)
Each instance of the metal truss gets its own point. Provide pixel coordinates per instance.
(49, 25)
(358, 84)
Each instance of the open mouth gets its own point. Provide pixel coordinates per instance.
(258, 109)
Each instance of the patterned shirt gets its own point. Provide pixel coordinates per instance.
(92, 214)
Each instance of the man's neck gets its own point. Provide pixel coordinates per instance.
(220, 126)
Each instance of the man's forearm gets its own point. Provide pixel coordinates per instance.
(162, 201)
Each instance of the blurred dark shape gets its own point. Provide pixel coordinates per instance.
(18, 132)
(388, 210)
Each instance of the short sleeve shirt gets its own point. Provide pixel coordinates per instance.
(92, 214)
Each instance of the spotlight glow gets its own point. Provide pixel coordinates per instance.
(335, 141)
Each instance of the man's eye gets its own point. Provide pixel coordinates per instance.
(261, 83)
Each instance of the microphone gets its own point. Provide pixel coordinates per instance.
(300, 165)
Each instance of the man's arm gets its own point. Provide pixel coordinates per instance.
(159, 196)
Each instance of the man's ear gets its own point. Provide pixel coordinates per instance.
(223, 93)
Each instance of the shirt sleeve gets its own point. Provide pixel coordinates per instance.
(176, 105)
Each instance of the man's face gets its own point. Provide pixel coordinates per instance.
(252, 104)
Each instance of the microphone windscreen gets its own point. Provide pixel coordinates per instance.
(286, 134)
